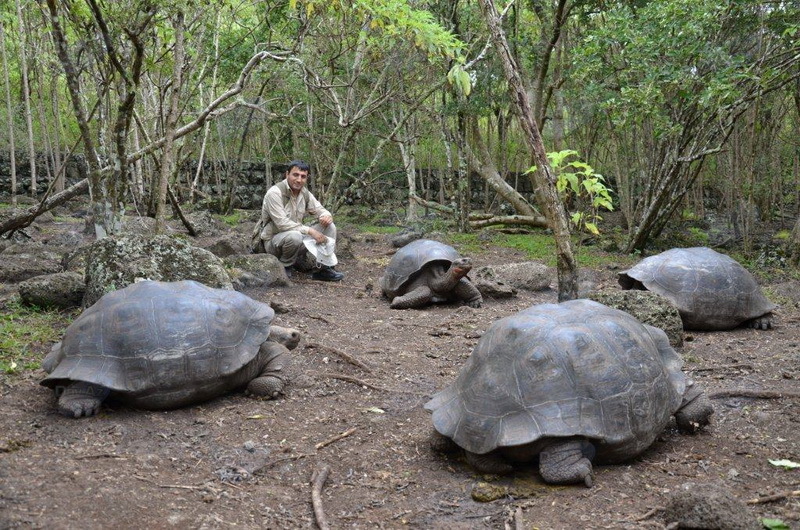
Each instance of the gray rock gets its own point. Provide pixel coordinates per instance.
(228, 244)
(405, 237)
(490, 285)
(708, 506)
(524, 276)
(204, 223)
(116, 262)
(22, 261)
(256, 270)
(61, 290)
(647, 307)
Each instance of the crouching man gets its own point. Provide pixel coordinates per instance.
(281, 231)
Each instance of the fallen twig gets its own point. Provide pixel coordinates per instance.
(318, 478)
(758, 394)
(173, 486)
(336, 438)
(344, 355)
(775, 497)
(101, 455)
(353, 380)
(721, 367)
(279, 460)
(649, 514)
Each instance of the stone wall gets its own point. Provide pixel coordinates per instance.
(251, 182)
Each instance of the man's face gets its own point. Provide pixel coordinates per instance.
(297, 178)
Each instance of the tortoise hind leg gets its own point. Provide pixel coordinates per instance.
(415, 298)
(272, 379)
(81, 399)
(567, 462)
(466, 291)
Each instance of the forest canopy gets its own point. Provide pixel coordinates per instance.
(657, 110)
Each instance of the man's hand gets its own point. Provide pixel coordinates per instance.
(325, 220)
(319, 237)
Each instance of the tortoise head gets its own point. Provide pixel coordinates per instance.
(289, 337)
(461, 267)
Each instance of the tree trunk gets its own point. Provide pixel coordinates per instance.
(26, 96)
(545, 179)
(9, 110)
(171, 123)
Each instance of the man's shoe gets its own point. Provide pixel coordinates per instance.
(327, 274)
(288, 271)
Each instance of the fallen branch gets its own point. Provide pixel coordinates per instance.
(757, 394)
(525, 220)
(336, 438)
(344, 355)
(776, 497)
(353, 380)
(26, 217)
(742, 366)
(318, 478)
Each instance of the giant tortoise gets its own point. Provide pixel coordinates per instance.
(159, 345)
(711, 290)
(426, 271)
(569, 383)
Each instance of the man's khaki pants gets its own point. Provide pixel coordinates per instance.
(287, 246)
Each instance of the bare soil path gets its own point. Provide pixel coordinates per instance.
(363, 373)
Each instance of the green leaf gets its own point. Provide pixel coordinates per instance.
(786, 464)
(591, 227)
(774, 524)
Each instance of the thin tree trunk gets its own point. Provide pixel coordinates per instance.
(10, 112)
(171, 122)
(545, 179)
(26, 96)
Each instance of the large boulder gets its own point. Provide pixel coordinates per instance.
(115, 262)
(227, 244)
(647, 307)
(61, 290)
(525, 276)
(256, 270)
(490, 286)
(22, 261)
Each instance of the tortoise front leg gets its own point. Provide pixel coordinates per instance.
(465, 290)
(567, 462)
(272, 379)
(415, 298)
(764, 322)
(695, 410)
(81, 399)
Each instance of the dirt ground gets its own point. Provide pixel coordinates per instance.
(363, 372)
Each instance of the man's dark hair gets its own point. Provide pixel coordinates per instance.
(302, 165)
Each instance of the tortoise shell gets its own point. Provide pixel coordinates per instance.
(161, 338)
(711, 290)
(411, 259)
(578, 368)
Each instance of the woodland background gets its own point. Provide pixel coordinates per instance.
(666, 110)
